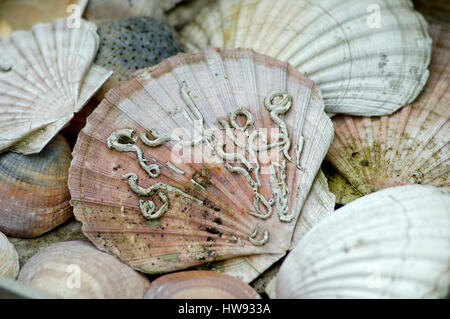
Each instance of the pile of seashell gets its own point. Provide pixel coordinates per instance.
(260, 148)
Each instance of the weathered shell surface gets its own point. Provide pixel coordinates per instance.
(199, 284)
(394, 243)
(130, 44)
(9, 261)
(101, 10)
(28, 247)
(319, 204)
(34, 197)
(23, 14)
(46, 74)
(368, 57)
(198, 209)
(410, 146)
(76, 269)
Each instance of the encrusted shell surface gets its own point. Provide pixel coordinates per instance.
(9, 261)
(408, 147)
(23, 14)
(46, 75)
(394, 243)
(199, 284)
(142, 200)
(367, 57)
(318, 205)
(130, 44)
(76, 269)
(34, 197)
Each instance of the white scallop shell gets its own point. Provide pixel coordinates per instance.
(9, 260)
(368, 57)
(394, 243)
(76, 269)
(46, 74)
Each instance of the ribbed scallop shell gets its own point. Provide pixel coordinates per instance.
(34, 197)
(201, 211)
(46, 75)
(362, 67)
(76, 269)
(318, 205)
(23, 14)
(9, 261)
(199, 285)
(394, 243)
(410, 146)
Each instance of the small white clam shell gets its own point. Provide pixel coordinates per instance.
(394, 243)
(9, 261)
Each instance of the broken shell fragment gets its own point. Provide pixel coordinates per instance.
(46, 75)
(367, 57)
(34, 197)
(130, 44)
(204, 157)
(390, 244)
(76, 269)
(9, 260)
(199, 284)
(408, 147)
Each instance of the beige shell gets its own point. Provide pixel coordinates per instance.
(394, 243)
(408, 147)
(199, 284)
(34, 197)
(102, 10)
(46, 75)
(367, 57)
(9, 261)
(318, 205)
(76, 269)
(23, 14)
(158, 210)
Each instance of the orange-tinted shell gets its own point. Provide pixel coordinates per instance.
(34, 197)
(199, 284)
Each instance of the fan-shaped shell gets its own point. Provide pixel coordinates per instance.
(34, 197)
(319, 204)
(195, 208)
(76, 269)
(23, 14)
(199, 284)
(367, 57)
(46, 74)
(410, 146)
(394, 243)
(9, 261)
(130, 44)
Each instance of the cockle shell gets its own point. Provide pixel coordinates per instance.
(46, 74)
(199, 209)
(368, 57)
(319, 204)
(410, 146)
(199, 284)
(130, 44)
(23, 14)
(76, 269)
(9, 261)
(34, 197)
(394, 243)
